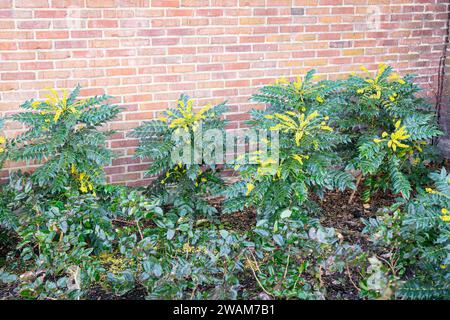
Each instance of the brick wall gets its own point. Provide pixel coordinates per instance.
(444, 142)
(147, 52)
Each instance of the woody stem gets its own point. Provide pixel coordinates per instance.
(358, 180)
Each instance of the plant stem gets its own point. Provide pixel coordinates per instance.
(358, 180)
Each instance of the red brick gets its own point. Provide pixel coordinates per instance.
(147, 52)
(50, 13)
(52, 34)
(103, 24)
(18, 76)
(165, 41)
(33, 45)
(31, 4)
(36, 65)
(165, 3)
(42, 24)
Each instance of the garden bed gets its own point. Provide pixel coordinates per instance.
(335, 212)
(293, 224)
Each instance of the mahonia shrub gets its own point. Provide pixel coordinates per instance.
(63, 134)
(414, 240)
(302, 94)
(307, 162)
(390, 127)
(3, 143)
(182, 184)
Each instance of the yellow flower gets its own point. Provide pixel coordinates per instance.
(444, 211)
(376, 95)
(395, 77)
(59, 104)
(188, 119)
(429, 190)
(299, 158)
(35, 104)
(250, 188)
(187, 248)
(398, 135)
(363, 68)
(282, 80)
(445, 218)
(2, 142)
(298, 83)
(360, 91)
(298, 123)
(320, 99)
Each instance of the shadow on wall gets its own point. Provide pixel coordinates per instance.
(444, 142)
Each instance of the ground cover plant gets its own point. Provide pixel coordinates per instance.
(356, 207)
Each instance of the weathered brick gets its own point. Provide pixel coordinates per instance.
(297, 11)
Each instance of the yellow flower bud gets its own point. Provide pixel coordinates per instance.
(35, 104)
(250, 188)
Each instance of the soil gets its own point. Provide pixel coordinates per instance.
(99, 293)
(346, 218)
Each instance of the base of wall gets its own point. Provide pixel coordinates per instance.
(444, 146)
